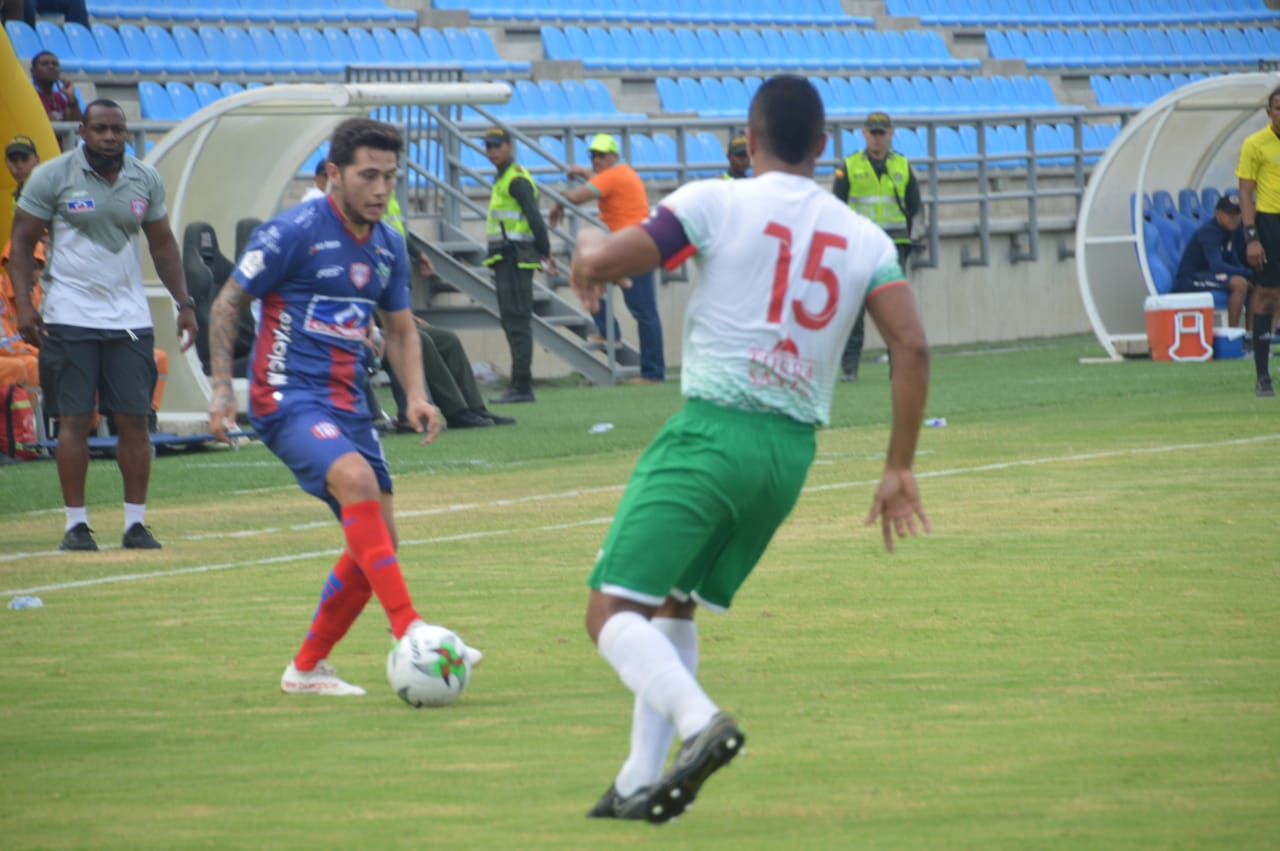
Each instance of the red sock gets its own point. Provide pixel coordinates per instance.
(341, 602)
(369, 542)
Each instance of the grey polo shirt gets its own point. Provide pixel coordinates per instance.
(94, 276)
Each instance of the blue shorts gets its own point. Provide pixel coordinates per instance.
(309, 437)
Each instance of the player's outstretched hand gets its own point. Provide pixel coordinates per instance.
(425, 419)
(222, 416)
(897, 505)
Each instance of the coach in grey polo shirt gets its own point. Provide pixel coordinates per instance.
(95, 335)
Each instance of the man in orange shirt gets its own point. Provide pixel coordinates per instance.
(19, 360)
(622, 199)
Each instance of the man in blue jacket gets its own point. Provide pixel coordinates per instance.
(1214, 260)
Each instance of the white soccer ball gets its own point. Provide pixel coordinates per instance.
(428, 666)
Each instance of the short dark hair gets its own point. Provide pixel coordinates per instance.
(362, 133)
(36, 58)
(105, 103)
(787, 117)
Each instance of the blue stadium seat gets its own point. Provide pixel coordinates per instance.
(693, 95)
(206, 93)
(165, 50)
(555, 45)
(558, 106)
(317, 48)
(154, 102)
(483, 48)
(716, 98)
(140, 50)
(967, 98)
(437, 48)
(244, 50)
(299, 54)
(1189, 204)
(26, 43)
(367, 50)
(113, 49)
(340, 46)
(671, 97)
(295, 60)
(667, 154)
(85, 47)
(578, 99)
(184, 100)
(53, 39)
(218, 49)
(191, 50)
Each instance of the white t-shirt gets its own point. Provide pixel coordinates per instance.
(781, 270)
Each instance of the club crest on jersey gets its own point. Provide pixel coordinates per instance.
(338, 317)
(325, 430)
(360, 274)
(138, 206)
(251, 264)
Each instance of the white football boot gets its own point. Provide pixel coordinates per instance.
(323, 679)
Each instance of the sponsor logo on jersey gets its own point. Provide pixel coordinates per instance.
(338, 317)
(277, 357)
(138, 206)
(327, 245)
(251, 264)
(80, 205)
(782, 367)
(384, 273)
(269, 238)
(326, 430)
(329, 272)
(360, 274)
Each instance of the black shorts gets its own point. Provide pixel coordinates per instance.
(1268, 225)
(84, 368)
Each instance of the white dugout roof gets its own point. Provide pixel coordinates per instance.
(1190, 138)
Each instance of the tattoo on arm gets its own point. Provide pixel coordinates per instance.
(224, 318)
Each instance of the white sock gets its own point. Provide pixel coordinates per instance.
(649, 665)
(651, 734)
(134, 512)
(76, 516)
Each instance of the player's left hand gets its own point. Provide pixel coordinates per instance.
(188, 327)
(897, 505)
(425, 419)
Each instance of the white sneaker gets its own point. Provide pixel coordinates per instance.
(323, 679)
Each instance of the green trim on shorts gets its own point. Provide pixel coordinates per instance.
(702, 504)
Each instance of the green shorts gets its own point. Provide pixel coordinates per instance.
(702, 505)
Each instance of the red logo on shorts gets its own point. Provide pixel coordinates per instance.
(326, 430)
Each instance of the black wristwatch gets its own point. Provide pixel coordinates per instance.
(189, 301)
(1251, 233)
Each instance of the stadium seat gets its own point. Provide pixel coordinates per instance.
(154, 102)
(206, 93)
(88, 55)
(140, 50)
(26, 43)
(1189, 204)
(246, 53)
(297, 53)
(671, 97)
(184, 100)
(555, 45)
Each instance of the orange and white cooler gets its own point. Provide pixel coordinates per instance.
(1180, 326)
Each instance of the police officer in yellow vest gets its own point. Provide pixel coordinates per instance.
(739, 159)
(878, 183)
(518, 244)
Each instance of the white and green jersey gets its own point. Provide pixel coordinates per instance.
(781, 270)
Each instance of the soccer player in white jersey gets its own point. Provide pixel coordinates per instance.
(783, 268)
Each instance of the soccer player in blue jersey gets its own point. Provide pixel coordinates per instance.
(321, 270)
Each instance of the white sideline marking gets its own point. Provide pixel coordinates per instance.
(285, 559)
(493, 533)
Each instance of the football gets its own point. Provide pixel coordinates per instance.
(428, 666)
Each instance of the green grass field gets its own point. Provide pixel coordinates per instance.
(1085, 654)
